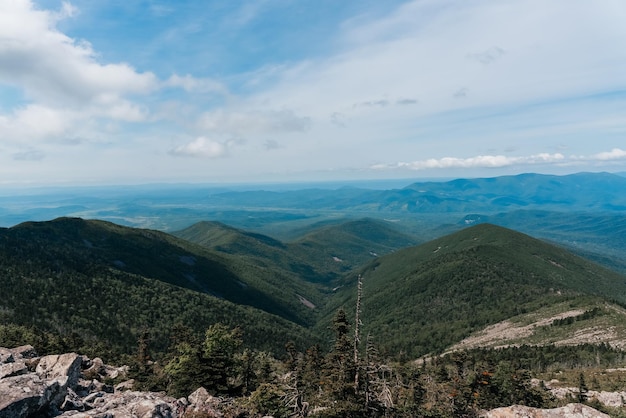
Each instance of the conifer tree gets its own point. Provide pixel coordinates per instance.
(220, 345)
(340, 371)
(582, 388)
(209, 364)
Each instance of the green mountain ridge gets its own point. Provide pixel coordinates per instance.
(153, 254)
(321, 255)
(109, 283)
(257, 248)
(424, 299)
(597, 236)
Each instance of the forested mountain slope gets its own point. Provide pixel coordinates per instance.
(321, 254)
(109, 283)
(345, 246)
(423, 299)
(599, 236)
(257, 248)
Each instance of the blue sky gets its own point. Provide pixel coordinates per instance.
(141, 91)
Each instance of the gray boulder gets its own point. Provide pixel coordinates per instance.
(127, 404)
(572, 410)
(23, 394)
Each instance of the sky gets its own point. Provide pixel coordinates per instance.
(212, 91)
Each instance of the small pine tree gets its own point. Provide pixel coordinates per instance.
(209, 365)
(582, 388)
(340, 372)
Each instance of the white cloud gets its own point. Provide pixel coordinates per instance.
(489, 56)
(483, 161)
(271, 144)
(487, 74)
(499, 161)
(429, 78)
(67, 10)
(196, 85)
(372, 103)
(54, 68)
(126, 111)
(250, 122)
(202, 147)
(161, 10)
(30, 155)
(67, 89)
(35, 122)
(505, 53)
(460, 93)
(614, 154)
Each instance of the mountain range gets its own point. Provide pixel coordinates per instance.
(583, 211)
(98, 286)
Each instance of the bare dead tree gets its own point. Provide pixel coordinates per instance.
(293, 397)
(357, 331)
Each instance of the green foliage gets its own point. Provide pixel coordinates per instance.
(186, 370)
(340, 365)
(539, 359)
(268, 399)
(210, 365)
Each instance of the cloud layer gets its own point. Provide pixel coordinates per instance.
(270, 90)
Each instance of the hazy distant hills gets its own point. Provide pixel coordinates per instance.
(425, 210)
(168, 206)
(424, 299)
(575, 192)
(584, 211)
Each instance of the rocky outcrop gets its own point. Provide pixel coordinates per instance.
(31, 385)
(70, 385)
(126, 404)
(611, 399)
(573, 410)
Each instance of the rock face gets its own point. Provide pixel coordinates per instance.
(70, 385)
(23, 392)
(573, 410)
(56, 385)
